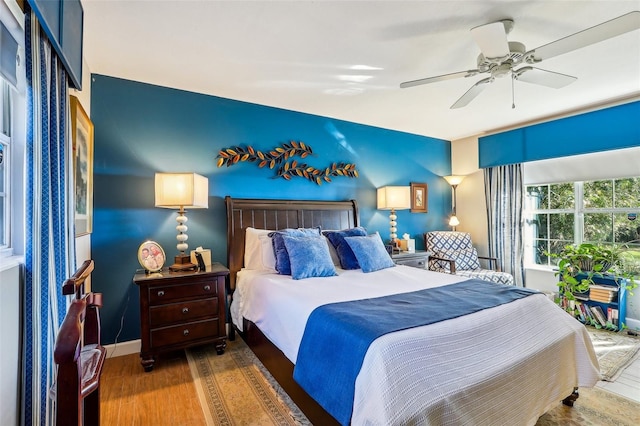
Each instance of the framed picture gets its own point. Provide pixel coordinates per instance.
(82, 140)
(151, 256)
(418, 197)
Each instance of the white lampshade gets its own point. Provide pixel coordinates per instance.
(453, 221)
(182, 190)
(394, 198)
(454, 180)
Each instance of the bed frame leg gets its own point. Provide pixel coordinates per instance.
(568, 401)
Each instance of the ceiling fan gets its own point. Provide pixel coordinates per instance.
(500, 57)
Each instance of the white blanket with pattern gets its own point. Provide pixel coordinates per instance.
(503, 365)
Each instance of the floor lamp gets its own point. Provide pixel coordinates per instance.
(454, 181)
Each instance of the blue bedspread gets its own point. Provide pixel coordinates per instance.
(338, 335)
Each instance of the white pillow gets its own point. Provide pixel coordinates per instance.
(268, 255)
(258, 249)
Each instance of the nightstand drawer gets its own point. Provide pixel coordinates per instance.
(184, 333)
(183, 311)
(167, 294)
(417, 259)
(414, 263)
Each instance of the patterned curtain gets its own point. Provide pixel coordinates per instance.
(504, 192)
(50, 248)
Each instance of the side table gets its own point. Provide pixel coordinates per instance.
(181, 309)
(417, 259)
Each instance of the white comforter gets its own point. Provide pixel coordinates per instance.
(504, 365)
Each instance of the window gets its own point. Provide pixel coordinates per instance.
(13, 114)
(5, 155)
(602, 212)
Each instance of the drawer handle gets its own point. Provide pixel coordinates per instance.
(207, 287)
(161, 293)
(185, 310)
(185, 332)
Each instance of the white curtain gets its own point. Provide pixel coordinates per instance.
(49, 258)
(504, 192)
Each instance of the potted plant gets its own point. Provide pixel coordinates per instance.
(578, 264)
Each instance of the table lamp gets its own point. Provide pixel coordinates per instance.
(394, 198)
(180, 191)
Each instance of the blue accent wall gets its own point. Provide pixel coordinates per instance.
(141, 129)
(603, 130)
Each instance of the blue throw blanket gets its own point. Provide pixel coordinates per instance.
(337, 336)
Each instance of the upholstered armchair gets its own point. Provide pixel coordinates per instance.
(453, 253)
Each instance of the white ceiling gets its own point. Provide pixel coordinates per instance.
(346, 59)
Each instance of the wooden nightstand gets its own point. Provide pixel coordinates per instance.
(181, 309)
(418, 259)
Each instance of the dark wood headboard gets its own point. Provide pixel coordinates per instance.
(280, 214)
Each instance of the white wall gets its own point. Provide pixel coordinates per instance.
(471, 207)
(10, 355)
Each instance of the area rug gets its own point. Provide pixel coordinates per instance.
(614, 351)
(236, 389)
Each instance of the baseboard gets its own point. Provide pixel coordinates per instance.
(633, 324)
(124, 348)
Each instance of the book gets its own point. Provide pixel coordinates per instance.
(580, 311)
(581, 296)
(603, 299)
(599, 315)
(586, 313)
(603, 287)
(600, 291)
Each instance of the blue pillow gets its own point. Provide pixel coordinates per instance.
(309, 257)
(370, 252)
(345, 254)
(283, 266)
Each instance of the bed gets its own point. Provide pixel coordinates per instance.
(506, 364)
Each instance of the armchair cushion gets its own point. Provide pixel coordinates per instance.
(465, 259)
(488, 275)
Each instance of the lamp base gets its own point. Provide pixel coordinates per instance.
(182, 262)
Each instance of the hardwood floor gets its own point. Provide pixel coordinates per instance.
(165, 396)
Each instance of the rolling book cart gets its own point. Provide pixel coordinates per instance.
(605, 304)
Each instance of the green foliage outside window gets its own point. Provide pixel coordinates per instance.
(607, 216)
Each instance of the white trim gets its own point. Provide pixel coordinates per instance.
(123, 348)
(633, 324)
(13, 19)
(9, 262)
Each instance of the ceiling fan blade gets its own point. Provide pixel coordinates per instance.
(606, 30)
(443, 77)
(492, 39)
(475, 90)
(543, 77)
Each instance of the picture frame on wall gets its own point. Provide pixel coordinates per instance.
(419, 197)
(82, 142)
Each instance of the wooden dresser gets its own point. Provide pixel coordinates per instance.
(181, 309)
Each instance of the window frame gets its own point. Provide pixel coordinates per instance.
(5, 191)
(579, 212)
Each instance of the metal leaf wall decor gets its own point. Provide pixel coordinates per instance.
(280, 159)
